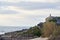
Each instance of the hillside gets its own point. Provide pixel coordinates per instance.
(24, 34)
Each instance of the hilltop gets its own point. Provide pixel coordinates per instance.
(51, 28)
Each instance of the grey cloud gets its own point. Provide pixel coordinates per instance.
(35, 5)
(8, 12)
(32, 5)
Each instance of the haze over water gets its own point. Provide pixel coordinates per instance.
(5, 29)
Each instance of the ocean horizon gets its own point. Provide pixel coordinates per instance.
(6, 29)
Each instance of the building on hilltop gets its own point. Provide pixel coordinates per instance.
(53, 19)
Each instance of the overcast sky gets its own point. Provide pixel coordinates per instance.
(27, 12)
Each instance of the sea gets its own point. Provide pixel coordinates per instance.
(6, 29)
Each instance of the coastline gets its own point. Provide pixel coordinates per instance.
(2, 33)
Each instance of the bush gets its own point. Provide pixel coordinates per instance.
(56, 31)
(53, 20)
(56, 34)
(35, 31)
(48, 29)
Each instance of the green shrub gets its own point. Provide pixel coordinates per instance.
(53, 20)
(35, 31)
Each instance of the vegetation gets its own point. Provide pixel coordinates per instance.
(58, 17)
(56, 34)
(52, 20)
(48, 29)
(51, 30)
(35, 31)
(40, 25)
(31, 32)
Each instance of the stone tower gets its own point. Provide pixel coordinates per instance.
(49, 18)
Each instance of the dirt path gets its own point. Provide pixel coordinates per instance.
(39, 39)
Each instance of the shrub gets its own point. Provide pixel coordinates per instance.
(48, 29)
(56, 34)
(53, 20)
(35, 31)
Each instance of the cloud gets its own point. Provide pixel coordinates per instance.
(8, 12)
(31, 5)
(26, 18)
(28, 12)
(51, 1)
(37, 5)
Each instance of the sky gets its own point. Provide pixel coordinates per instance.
(27, 12)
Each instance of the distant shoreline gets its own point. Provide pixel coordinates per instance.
(7, 29)
(2, 33)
